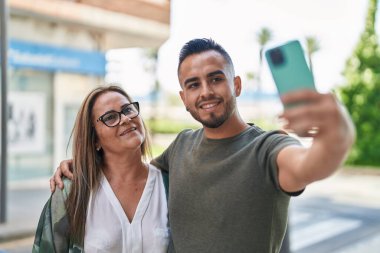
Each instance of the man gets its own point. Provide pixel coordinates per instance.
(231, 182)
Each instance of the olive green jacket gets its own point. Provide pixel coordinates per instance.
(52, 230)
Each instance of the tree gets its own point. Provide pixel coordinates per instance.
(263, 37)
(361, 93)
(151, 66)
(312, 46)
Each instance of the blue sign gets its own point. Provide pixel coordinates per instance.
(50, 58)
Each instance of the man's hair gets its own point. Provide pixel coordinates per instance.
(197, 46)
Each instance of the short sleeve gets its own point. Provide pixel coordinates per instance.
(271, 144)
(162, 162)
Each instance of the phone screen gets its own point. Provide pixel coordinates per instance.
(289, 68)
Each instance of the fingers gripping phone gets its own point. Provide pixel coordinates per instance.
(289, 68)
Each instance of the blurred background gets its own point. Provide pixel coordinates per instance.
(55, 51)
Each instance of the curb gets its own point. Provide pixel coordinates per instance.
(365, 171)
(16, 235)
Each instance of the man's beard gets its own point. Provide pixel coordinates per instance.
(215, 121)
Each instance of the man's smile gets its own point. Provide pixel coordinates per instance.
(209, 105)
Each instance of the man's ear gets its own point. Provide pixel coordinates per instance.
(183, 99)
(237, 86)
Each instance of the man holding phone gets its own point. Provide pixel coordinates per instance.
(231, 182)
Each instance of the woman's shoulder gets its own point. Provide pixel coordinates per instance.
(154, 169)
(162, 176)
(62, 194)
(157, 172)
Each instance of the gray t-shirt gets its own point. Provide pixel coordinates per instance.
(224, 194)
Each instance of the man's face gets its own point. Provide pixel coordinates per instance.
(209, 88)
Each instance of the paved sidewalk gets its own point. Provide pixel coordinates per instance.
(340, 214)
(24, 205)
(349, 186)
(25, 202)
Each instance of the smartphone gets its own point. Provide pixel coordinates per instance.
(289, 69)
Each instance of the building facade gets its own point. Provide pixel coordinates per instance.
(56, 55)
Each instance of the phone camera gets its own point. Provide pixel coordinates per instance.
(276, 56)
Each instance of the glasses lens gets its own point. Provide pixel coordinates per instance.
(130, 111)
(111, 118)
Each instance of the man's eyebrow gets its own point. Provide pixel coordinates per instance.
(193, 79)
(214, 73)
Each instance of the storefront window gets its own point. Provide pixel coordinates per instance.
(30, 124)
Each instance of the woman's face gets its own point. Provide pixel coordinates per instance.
(128, 135)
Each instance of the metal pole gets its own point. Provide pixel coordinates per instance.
(3, 106)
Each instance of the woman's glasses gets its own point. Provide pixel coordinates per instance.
(113, 118)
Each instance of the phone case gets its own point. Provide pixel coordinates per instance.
(289, 68)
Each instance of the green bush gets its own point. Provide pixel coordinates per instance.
(168, 126)
(157, 150)
(361, 94)
(266, 124)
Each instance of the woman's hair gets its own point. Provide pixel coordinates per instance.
(87, 161)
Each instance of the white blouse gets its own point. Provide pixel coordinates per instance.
(109, 230)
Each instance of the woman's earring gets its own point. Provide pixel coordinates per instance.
(98, 148)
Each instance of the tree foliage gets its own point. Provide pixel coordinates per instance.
(312, 46)
(361, 94)
(263, 37)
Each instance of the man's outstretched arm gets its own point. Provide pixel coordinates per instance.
(327, 121)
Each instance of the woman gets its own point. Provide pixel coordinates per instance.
(116, 201)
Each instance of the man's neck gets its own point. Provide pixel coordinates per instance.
(231, 127)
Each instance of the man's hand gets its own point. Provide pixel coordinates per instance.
(317, 115)
(322, 117)
(64, 169)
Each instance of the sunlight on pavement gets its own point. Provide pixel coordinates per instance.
(7, 247)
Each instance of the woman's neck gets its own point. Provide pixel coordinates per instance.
(127, 168)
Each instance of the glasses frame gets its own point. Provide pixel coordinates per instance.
(135, 104)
